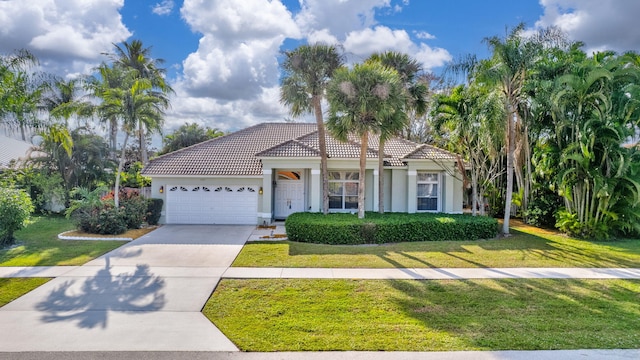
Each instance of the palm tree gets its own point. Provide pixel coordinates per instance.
(110, 78)
(415, 95)
(187, 135)
(508, 69)
(307, 71)
(467, 116)
(360, 102)
(135, 56)
(63, 100)
(132, 104)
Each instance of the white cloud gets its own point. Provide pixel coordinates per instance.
(339, 17)
(322, 36)
(236, 56)
(423, 35)
(231, 80)
(432, 57)
(163, 8)
(225, 115)
(62, 32)
(381, 38)
(600, 24)
(234, 21)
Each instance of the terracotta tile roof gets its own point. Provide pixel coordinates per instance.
(239, 153)
(337, 149)
(291, 148)
(232, 154)
(430, 152)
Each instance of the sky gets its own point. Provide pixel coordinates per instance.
(222, 56)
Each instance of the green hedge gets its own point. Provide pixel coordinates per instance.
(347, 229)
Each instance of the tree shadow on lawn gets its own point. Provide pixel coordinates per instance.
(520, 245)
(90, 303)
(533, 314)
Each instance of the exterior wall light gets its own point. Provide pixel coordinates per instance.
(260, 191)
(161, 189)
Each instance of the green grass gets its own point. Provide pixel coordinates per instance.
(527, 247)
(38, 245)
(380, 315)
(11, 289)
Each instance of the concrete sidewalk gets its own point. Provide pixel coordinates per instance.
(432, 274)
(338, 273)
(332, 355)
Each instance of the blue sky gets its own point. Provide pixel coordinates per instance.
(222, 55)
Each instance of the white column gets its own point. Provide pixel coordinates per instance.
(376, 189)
(316, 191)
(412, 191)
(267, 191)
(447, 201)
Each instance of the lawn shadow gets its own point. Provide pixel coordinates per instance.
(89, 303)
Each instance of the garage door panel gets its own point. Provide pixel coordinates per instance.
(231, 204)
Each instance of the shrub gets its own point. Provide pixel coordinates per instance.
(135, 209)
(105, 220)
(15, 208)
(387, 228)
(542, 208)
(154, 210)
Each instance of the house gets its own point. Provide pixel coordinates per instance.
(13, 150)
(271, 170)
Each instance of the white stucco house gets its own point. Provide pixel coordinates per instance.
(268, 171)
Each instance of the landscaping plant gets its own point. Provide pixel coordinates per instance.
(15, 208)
(348, 229)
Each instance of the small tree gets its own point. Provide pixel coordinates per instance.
(15, 208)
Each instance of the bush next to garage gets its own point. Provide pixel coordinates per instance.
(97, 214)
(154, 210)
(376, 228)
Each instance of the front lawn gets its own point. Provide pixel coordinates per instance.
(527, 247)
(446, 315)
(11, 289)
(38, 245)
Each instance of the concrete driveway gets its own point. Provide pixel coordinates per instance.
(144, 296)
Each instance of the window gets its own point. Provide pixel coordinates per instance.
(428, 191)
(343, 190)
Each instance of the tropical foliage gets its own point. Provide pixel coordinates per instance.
(15, 209)
(307, 71)
(368, 99)
(186, 135)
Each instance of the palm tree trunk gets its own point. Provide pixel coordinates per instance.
(113, 136)
(510, 157)
(143, 144)
(381, 176)
(317, 107)
(116, 190)
(361, 178)
(474, 191)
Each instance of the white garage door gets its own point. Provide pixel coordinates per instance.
(197, 204)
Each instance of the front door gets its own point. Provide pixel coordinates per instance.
(289, 194)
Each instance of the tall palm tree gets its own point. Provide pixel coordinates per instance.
(187, 135)
(358, 100)
(131, 104)
(134, 56)
(109, 78)
(508, 69)
(467, 115)
(415, 95)
(63, 99)
(307, 71)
